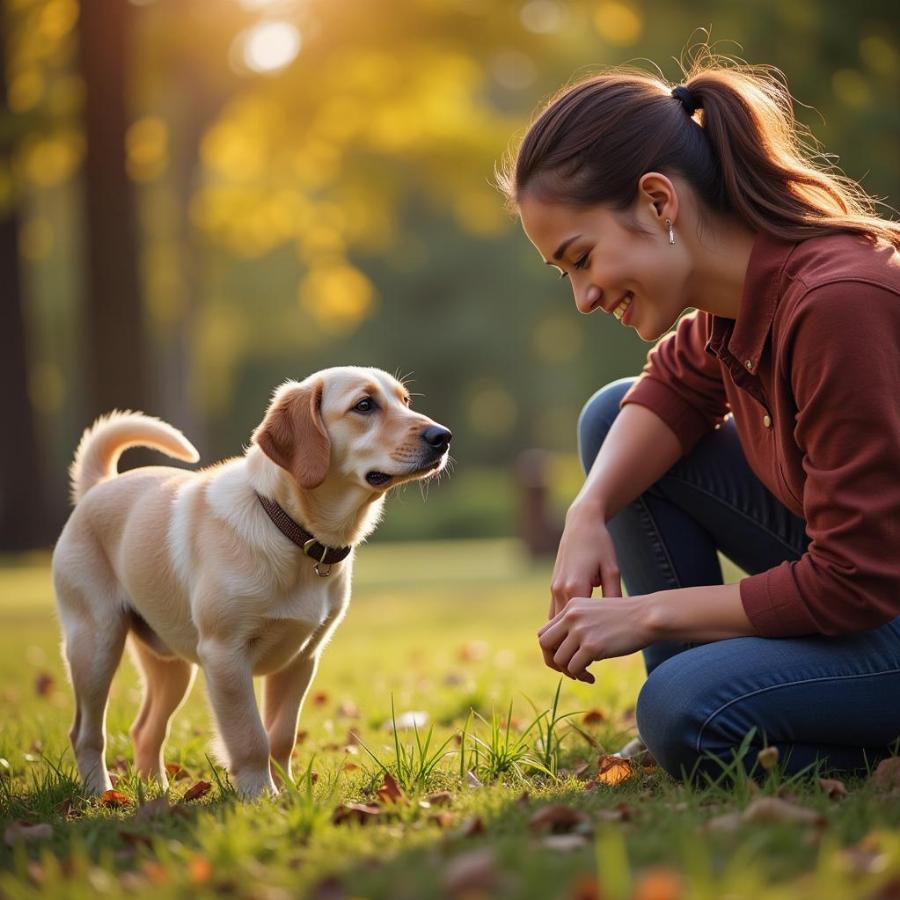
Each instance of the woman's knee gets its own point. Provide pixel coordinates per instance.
(667, 711)
(597, 417)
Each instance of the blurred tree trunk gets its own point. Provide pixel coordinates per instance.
(115, 355)
(24, 523)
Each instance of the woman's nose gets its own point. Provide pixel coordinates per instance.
(586, 299)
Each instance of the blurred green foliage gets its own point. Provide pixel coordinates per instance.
(315, 187)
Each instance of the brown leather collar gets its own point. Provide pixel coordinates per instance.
(325, 557)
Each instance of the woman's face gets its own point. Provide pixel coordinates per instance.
(634, 274)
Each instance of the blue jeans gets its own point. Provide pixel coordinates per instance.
(832, 699)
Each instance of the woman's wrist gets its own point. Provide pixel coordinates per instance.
(589, 506)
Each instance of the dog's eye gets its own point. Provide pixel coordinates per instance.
(366, 405)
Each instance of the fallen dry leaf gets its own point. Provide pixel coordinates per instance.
(443, 818)
(43, 684)
(768, 758)
(302, 735)
(319, 698)
(440, 798)
(25, 833)
(585, 888)
(472, 780)
(833, 787)
(355, 812)
(390, 791)
(658, 883)
(350, 766)
(200, 870)
(135, 838)
(887, 775)
(473, 651)
(176, 772)
(774, 809)
(559, 819)
(155, 872)
(114, 799)
(613, 770)
(470, 873)
(565, 843)
(471, 827)
(195, 791)
(593, 717)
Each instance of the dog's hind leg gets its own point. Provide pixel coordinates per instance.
(94, 632)
(166, 684)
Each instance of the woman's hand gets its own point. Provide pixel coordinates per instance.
(591, 629)
(586, 559)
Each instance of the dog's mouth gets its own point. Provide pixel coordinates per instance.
(380, 479)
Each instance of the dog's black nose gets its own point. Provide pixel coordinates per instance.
(437, 436)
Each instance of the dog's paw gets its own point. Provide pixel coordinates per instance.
(253, 785)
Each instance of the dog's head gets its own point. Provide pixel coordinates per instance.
(351, 423)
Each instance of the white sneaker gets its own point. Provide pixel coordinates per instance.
(633, 748)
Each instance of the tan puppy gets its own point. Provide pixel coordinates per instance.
(208, 568)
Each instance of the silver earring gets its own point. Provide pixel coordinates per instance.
(671, 231)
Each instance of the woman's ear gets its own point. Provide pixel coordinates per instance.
(293, 436)
(660, 195)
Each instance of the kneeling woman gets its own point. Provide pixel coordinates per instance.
(766, 425)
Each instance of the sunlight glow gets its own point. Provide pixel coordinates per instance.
(270, 46)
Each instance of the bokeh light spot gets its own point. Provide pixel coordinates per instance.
(270, 46)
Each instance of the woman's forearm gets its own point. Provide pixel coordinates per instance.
(639, 449)
(708, 613)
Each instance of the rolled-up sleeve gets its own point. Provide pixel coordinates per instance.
(682, 382)
(845, 366)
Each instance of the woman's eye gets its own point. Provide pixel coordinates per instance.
(581, 262)
(365, 405)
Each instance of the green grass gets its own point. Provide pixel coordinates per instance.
(447, 629)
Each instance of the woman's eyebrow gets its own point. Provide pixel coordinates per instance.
(562, 248)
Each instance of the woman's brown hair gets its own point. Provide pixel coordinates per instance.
(732, 135)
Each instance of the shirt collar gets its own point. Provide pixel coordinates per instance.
(744, 337)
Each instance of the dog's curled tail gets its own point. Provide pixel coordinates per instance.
(104, 442)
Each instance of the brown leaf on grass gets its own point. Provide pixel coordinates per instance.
(585, 888)
(152, 809)
(156, 873)
(319, 698)
(43, 684)
(443, 818)
(390, 791)
(355, 812)
(68, 808)
(584, 769)
(565, 843)
(471, 827)
(440, 798)
(195, 791)
(473, 651)
(593, 717)
(350, 766)
(660, 883)
(353, 738)
(135, 838)
(347, 709)
(559, 819)
(833, 787)
(768, 758)
(176, 772)
(887, 775)
(200, 870)
(26, 833)
(774, 809)
(613, 770)
(114, 799)
(302, 735)
(471, 874)
(472, 780)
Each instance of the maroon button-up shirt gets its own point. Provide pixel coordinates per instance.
(810, 371)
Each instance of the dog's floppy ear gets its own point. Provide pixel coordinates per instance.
(293, 436)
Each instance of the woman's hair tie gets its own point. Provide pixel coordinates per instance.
(688, 99)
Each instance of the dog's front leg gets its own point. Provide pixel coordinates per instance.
(230, 684)
(283, 694)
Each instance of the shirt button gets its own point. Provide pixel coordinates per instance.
(767, 421)
(749, 364)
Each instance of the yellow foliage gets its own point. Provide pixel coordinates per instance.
(48, 160)
(851, 88)
(146, 146)
(618, 23)
(481, 212)
(337, 296)
(26, 90)
(57, 19)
